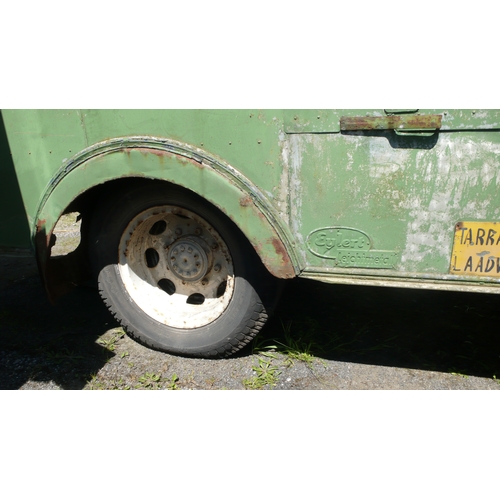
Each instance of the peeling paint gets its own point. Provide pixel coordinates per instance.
(447, 177)
(407, 199)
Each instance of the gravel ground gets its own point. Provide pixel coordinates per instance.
(338, 337)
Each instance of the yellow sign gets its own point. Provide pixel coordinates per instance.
(476, 249)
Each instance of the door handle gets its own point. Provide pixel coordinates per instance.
(401, 124)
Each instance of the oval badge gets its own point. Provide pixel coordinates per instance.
(349, 247)
(326, 242)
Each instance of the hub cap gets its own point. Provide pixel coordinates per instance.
(188, 259)
(176, 267)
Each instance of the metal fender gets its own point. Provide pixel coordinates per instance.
(181, 164)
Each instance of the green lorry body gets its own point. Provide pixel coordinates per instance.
(406, 198)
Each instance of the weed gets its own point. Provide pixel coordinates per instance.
(172, 385)
(119, 385)
(265, 374)
(95, 384)
(149, 381)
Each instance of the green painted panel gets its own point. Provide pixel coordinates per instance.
(406, 199)
(41, 141)
(249, 140)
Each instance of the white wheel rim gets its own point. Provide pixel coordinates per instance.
(176, 267)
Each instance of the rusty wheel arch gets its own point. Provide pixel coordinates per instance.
(62, 273)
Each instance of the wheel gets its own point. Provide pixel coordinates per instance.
(177, 273)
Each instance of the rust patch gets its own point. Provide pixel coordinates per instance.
(246, 201)
(40, 230)
(392, 122)
(283, 269)
(286, 268)
(161, 153)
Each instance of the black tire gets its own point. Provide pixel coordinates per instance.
(137, 240)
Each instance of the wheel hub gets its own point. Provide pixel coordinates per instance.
(188, 259)
(176, 267)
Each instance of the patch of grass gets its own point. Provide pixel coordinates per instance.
(95, 383)
(296, 346)
(99, 385)
(305, 340)
(109, 342)
(265, 375)
(149, 381)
